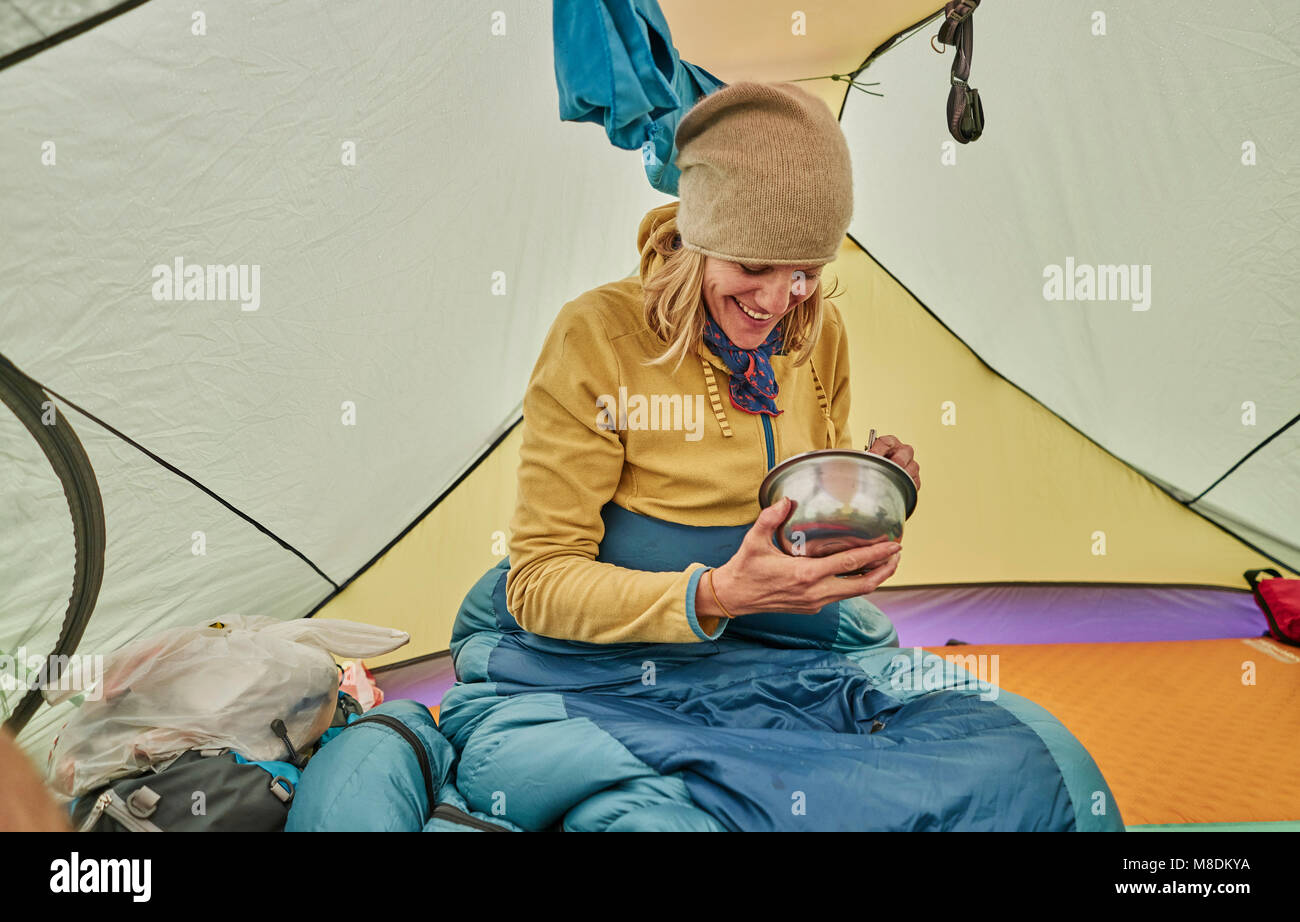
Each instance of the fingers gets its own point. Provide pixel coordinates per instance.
(889, 446)
(884, 444)
(818, 593)
(846, 587)
(902, 454)
(770, 519)
(869, 582)
(855, 559)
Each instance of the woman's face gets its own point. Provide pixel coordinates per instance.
(736, 292)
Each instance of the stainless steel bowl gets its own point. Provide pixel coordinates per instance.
(842, 499)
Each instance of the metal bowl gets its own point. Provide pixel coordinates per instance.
(842, 499)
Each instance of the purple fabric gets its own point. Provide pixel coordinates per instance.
(990, 614)
(1048, 613)
(425, 681)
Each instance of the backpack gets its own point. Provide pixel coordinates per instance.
(207, 791)
(210, 790)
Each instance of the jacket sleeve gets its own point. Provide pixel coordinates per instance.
(569, 467)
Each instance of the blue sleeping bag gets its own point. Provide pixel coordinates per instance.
(785, 722)
(389, 770)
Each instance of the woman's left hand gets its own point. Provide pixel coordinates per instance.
(890, 448)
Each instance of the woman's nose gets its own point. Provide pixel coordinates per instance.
(775, 295)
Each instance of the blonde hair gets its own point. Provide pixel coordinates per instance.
(675, 308)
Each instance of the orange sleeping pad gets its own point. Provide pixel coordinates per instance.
(1199, 731)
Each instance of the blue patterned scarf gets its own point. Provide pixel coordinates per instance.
(753, 384)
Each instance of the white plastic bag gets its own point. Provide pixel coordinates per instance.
(209, 687)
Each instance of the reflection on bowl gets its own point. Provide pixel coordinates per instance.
(842, 499)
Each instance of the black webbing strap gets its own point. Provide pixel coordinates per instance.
(965, 111)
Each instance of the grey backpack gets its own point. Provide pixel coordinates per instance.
(203, 791)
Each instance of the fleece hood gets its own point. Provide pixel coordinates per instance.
(650, 259)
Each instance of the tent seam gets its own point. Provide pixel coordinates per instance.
(177, 471)
(72, 31)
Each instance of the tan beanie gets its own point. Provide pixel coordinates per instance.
(766, 176)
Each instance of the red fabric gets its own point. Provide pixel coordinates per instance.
(1280, 600)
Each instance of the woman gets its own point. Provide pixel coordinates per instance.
(648, 659)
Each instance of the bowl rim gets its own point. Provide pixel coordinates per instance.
(909, 492)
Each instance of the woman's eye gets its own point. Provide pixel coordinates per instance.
(749, 271)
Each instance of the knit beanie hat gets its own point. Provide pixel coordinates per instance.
(766, 176)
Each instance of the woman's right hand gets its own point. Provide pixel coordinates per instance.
(760, 577)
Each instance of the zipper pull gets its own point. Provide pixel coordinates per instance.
(282, 733)
(102, 801)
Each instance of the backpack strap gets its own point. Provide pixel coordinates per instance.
(965, 111)
(1252, 576)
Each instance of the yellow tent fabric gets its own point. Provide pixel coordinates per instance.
(771, 41)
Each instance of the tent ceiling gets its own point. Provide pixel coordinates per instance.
(747, 40)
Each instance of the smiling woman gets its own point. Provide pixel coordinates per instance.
(722, 663)
(687, 282)
(748, 302)
(730, 278)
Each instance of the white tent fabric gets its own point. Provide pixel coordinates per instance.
(1117, 149)
(377, 285)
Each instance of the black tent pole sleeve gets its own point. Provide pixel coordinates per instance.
(68, 458)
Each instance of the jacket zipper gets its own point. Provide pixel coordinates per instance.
(767, 437)
(407, 734)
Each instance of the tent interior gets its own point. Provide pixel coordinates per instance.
(1099, 471)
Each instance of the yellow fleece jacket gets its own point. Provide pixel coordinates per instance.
(590, 435)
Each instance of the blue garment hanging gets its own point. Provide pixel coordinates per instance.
(615, 64)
